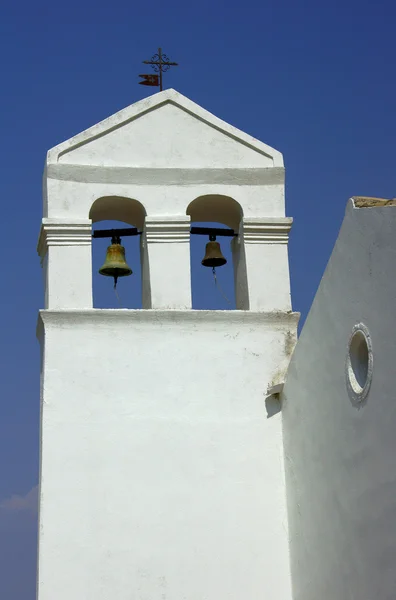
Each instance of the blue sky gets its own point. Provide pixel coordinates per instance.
(316, 80)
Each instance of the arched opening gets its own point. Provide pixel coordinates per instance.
(215, 208)
(118, 208)
(209, 292)
(116, 212)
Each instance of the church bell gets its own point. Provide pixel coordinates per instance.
(115, 264)
(213, 255)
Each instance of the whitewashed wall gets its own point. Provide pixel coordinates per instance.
(162, 472)
(162, 464)
(340, 454)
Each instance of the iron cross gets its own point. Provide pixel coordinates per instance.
(160, 63)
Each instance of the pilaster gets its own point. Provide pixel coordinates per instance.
(166, 262)
(266, 259)
(65, 250)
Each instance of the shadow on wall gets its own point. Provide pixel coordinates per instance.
(272, 405)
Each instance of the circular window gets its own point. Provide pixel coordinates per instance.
(359, 364)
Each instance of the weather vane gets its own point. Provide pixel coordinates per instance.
(160, 63)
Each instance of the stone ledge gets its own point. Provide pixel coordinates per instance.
(370, 202)
(147, 316)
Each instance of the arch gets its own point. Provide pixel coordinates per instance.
(216, 208)
(117, 212)
(118, 208)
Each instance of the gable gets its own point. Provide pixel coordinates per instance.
(173, 133)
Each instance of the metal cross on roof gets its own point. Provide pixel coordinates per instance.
(160, 63)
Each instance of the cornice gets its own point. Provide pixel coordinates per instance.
(167, 229)
(106, 317)
(258, 230)
(105, 174)
(54, 232)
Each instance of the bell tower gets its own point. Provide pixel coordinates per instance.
(162, 472)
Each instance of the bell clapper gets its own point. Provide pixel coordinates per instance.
(116, 293)
(217, 284)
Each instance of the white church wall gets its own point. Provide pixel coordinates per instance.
(340, 448)
(162, 466)
(159, 197)
(162, 460)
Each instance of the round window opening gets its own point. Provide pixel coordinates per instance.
(359, 363)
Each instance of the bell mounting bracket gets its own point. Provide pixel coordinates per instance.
(213, 232)
(115, 234)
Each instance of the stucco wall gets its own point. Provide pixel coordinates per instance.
(162, 463)
(340, 454)
(162, 473)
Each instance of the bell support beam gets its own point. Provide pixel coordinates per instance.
(64, 247)
(130, 231)
(213, 231)
(110, 233)
(166, 262)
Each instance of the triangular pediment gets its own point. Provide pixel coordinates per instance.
(166, 130)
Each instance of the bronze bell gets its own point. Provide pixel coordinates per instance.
(115, 264)
(213, 255)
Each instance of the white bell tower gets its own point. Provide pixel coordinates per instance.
(162, 472)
